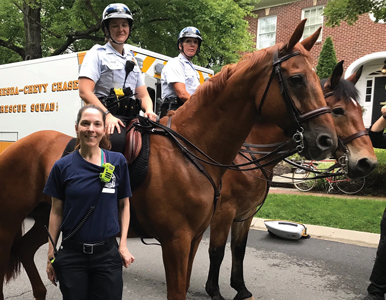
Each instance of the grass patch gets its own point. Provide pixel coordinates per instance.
(352, 214)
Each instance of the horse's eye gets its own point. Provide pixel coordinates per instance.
(296, 80)
(338, 111)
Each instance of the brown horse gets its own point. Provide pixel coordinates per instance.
(243, 192)
(175, 202)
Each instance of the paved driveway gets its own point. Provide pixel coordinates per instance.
(274, 269)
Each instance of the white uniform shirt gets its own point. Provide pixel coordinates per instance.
(179, 69)
(106, 67)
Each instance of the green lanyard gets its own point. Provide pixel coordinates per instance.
(102, 158)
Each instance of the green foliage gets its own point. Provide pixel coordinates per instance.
(375, 182)
(349, 10)
(74, 25)
(11, 31)
(352, 214)
(327, 59)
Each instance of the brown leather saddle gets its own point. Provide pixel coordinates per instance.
(133, 142)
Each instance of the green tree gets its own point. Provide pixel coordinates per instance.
(349, 10)
(327, 59)
(40, 28)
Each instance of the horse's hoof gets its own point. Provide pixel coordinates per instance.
(249, 298)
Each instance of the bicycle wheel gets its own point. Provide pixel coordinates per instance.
(349, 186)
(303, 180)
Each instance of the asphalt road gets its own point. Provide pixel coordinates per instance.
(275, 269)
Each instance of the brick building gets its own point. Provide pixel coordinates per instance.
(362, 44)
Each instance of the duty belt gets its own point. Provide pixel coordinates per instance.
(90, 248)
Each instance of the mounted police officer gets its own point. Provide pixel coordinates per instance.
(110, 76)
(179, 79)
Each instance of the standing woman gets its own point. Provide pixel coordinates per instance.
(377, 287)
(104, 68)
(90, 190)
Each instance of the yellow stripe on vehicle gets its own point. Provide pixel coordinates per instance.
(202, 79)
(147, 62)
(4, 145)
(81, 57)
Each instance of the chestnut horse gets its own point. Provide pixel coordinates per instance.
(176, 202)
(243, 192)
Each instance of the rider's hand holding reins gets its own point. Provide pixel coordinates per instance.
(151, 115)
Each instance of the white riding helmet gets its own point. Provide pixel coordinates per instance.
(189, 32)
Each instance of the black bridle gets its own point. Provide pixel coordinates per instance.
(343, 142)
(296, 115)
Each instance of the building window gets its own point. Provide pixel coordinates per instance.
(314, 17)
(369, 90)
(266, 32)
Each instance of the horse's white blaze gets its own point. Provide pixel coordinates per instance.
(356, 103)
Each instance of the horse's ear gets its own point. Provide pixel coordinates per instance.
(309, 42)
(336, 75)
(355, 77)
(296, 36)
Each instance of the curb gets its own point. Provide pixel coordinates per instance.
(332, 234)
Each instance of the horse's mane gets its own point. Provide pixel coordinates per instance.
(344, 90)
(246, 63)
(216, 84)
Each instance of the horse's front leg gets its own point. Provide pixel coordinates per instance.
(192, 254)
(219, 229)
(175, 253)
(238, 246)
(28, 245)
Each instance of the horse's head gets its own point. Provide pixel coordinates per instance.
(294, 81)
(355, 149)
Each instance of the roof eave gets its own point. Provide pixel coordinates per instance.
(271, 3)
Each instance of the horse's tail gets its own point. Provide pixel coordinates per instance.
(14, 263)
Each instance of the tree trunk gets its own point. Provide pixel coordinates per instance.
(32, 29)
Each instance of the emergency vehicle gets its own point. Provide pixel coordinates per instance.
(42, 94)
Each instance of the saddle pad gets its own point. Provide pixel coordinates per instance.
(138, 168)
(138, 171)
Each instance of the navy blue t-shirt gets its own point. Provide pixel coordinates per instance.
(76, 182)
